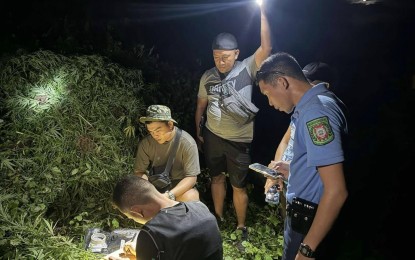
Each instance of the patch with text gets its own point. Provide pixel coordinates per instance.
(320, 131)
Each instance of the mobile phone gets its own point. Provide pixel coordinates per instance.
(264, 170)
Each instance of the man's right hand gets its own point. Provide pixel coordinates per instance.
(129, 249)
(280, 166)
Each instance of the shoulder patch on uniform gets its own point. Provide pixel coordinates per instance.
(320, 130)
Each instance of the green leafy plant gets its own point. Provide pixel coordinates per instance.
(64, 146)
(69, 131)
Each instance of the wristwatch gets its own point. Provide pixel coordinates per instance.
(171, 195)
(306, 251)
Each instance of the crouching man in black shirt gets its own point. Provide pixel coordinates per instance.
(173, 230)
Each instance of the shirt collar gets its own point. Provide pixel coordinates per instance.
(308, 95)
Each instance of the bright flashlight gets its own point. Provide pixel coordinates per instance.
(259, 2)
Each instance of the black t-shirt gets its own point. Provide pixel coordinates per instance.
(186, 231)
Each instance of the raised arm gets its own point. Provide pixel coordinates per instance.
(266, 46)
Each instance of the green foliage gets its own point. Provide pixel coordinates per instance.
(177, 88)
(30, 236)
(265, 241)
(63, 141)
(69, 131)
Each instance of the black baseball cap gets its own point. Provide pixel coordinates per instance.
(224, 41)
(319, 71)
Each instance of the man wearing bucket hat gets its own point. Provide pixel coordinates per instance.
(153, 153)
(226, 141)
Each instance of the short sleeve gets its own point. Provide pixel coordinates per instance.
(202, 89)
(323, 138)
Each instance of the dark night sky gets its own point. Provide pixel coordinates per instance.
(335, 31)
(370, 45)
(181, 31)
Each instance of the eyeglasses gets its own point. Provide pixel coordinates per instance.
(260, 75)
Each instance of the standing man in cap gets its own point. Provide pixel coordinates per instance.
(226, 143)
(153, 153)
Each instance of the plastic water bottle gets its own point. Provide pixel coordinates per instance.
(273, 195)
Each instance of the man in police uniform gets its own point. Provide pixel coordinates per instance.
(315, 174)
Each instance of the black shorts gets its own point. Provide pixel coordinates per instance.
(222, 155)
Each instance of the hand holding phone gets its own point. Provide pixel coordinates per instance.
(264, 170)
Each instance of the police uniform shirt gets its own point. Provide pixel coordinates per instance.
(320, 122)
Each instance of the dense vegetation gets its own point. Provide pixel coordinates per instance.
(69, 131)
(61, 150)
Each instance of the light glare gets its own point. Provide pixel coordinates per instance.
(259, 2)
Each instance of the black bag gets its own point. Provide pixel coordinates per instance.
(238, 107)
(302, 214)
(159, 176)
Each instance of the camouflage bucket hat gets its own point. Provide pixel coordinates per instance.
(157, 113)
